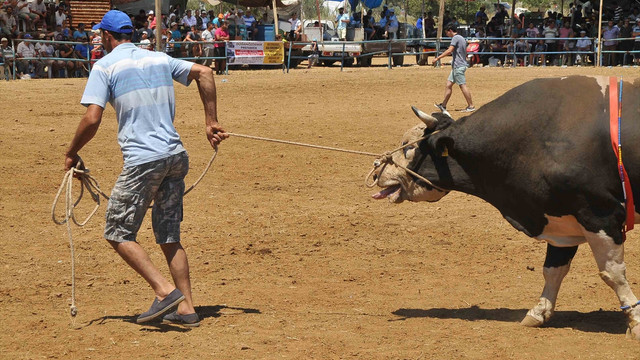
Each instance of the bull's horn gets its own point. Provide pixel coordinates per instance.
(429, 120)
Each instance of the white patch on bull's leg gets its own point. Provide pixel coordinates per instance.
(603, 81)
(610, 259)
(564, 231)
(543, 311)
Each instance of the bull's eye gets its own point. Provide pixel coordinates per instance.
(407, 149)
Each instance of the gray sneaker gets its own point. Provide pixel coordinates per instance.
(188, 320)
(160, 307)
(469, 109)
(442, 109)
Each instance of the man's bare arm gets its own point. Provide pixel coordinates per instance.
(203, 75)
(87, 129)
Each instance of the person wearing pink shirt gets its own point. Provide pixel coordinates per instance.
(221, 34)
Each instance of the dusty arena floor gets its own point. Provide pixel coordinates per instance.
(290, 256)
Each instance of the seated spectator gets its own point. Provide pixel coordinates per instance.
(583, 45)
(251, 24)
(66, 51)
(6, 56)
(139, 20)
(315, 53)
(24, 50)
(523, 50)
(296, 28)
(60, 16)
(538, 57)
(9, 23)
(532, 33)
(390, 25)
(217, 21)
(22, 8)
(194, 36)
(189, 20)
(368, 25)
(39, 8)
(46, 51)
(80, 32)
(626, 32)
(82, 51)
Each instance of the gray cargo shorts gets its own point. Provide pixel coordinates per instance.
(160, 181)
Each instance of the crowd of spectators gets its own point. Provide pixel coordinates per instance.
(39, 22)
(556, 40)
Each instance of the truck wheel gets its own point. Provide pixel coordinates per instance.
(294, 63)
(398, 60)
(364, 61)
(328, 62)
(348, 62)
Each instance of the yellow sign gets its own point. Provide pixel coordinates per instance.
(273, 52)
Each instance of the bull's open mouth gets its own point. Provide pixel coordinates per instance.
(392, 192)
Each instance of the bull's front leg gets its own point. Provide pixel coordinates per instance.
(556, 266)
(610, 259)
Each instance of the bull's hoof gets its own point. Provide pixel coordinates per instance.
(530, 321)
(634, 333)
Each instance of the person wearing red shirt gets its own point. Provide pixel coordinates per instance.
(221, 34)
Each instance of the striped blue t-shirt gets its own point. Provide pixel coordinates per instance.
(139, 85)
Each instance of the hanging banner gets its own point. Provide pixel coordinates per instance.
(255, 52)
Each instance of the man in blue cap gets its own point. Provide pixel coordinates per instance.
(139, 85)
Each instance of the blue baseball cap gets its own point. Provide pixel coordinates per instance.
(115, 21)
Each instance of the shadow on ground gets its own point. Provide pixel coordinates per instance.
(611, 322)
(210, 311)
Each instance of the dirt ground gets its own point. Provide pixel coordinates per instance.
(290, 257)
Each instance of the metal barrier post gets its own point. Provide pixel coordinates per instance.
(13, 49)
(389, 55)
(342, 60)
(289, 59)
(226, 60)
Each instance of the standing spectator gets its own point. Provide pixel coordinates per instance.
(343, 20)
(296, 28)
(564, 32)
(6, 53)
(617, 12)
(60, 16)
(500, 15)
(208, 36)
(251, 25)
(198, 19)
(97, 52)
(626, 32)
(218, 21)
(176, 35)
(26, 15)
(458, 50)
(9, 23)
(481, 17)
(569, 48)
(155, 162)
(532, 33)
(40, 9)
(583, 46)
(145, 43)
(634, 17)
(189, 20)
(169, 45)
(610, 33)
(550, 33)
(140, 18)
(26, 49)
(220, 48)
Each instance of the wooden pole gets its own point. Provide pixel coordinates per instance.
(597, 42)
(158, 29)
(275, 17)
(440, 19)
(320, 21)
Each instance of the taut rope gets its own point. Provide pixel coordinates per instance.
(91, 184)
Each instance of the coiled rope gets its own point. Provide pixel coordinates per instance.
(89, 183)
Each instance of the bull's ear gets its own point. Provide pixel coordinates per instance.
(443, 145)
(427, 119)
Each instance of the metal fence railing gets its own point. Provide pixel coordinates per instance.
(346, 54)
